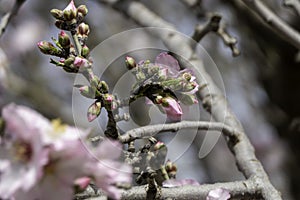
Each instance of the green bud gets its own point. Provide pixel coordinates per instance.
(85, 51)
(64, 40)
(69, 14)
(60, 24)
(83, 29)
(130, 62)
(159, 145)
(103, 87)
(187, 76)
(69, 61)
(87, 92)
(94, 111)
(82, 9)
(57, 14)
(48, 48)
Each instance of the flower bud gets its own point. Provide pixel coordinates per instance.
(85, 51)
(82, 9)
(187, 76)
(103, 87)
(87, 92)
(64, 40)
(57, 14)
(70, 11)
(94, 111)
(48, 48)
(130, 62)
(81, 62)
(83, 29)
(159, 145)
(69, 61)
(60, 24)
(171, 169)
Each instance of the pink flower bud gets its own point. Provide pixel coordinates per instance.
(130, 62)
(172, 109)
(64, 39)
(94, 111)
(81, 62)
(48, 48)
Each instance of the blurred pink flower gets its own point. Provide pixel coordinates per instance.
(22, 150)
(107, 171)
(218, 194)
(64, 167)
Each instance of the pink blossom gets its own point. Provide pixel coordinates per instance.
(81, 62)
(107, 171)
(167, 61)
(22, 151)
(172, 109)
(218, 194)
(177, 183)
(64, 167)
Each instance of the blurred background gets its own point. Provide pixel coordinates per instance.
(262, 84)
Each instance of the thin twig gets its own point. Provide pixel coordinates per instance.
(152, 130)
(8, 16)
(214, 25)
(279, 26)
(294, 4)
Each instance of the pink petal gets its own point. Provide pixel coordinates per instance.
(218, 194)
(165, 59)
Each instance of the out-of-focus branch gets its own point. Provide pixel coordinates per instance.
(36, 93)
(149, 131)
(195, 5)
(8, 16)
(202, 30)
(294, 4)
(214, 25)
(278, 25)
(211, 96)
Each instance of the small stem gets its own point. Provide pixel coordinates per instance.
(78, 46)
(111, 128)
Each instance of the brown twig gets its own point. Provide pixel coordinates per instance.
(279, 26)
(152, 130)
(214, 25)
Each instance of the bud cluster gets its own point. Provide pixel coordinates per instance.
(163, 83)
(74, 56)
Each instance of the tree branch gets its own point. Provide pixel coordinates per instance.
(279, 26)
(212, 98)
(149, 131)
(8, 16)
(238, 190)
